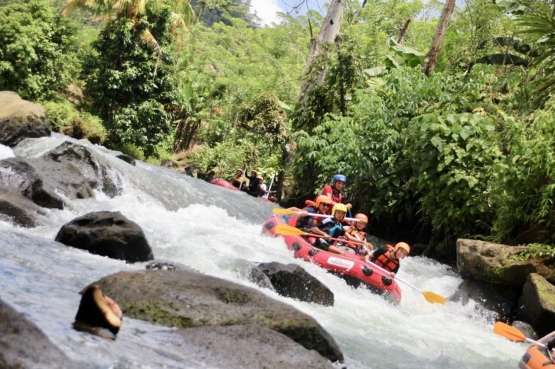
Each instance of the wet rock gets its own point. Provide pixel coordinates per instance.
(537, 304)
(20, 176)
(167, 265)
(19, 210)
(186, 299)
(126, 158)
(98, 313)
(167, 163)
(293, 281)
(258, 277)
(526, 329)
(23, 345)
(20, 119)
(108, 234)
(501, 300)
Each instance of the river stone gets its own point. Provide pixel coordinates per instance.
(23, 345)
(20, 119)
(186, 299)
(249, 346)
(293, 281)
(108, 234)
(537, 304)
(18, 175)
(499, 264)
(19, 210)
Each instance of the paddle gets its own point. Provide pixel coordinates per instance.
(269, 188)
(294, 212)
(242, 178)
(286, 230)
(514, 334)
(430, 296)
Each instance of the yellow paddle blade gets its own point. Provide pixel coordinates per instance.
(509, 332)
(286, 230)
(434, 298)
(284, 211)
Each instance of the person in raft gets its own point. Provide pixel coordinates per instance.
(330, 228)
(321, 206)
(238, 178)
(388, 258)
(333, 191)
(355, 232)
(252, 188)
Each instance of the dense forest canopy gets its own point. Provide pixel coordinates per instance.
(463, 148)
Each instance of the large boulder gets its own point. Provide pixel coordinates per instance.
(293, 281)
(499, 264)
(108, 234)
(76, 170)
(19, 210)
(23, 345)
(499, 299)
(20, 119)
(537, 304)
(186, 299)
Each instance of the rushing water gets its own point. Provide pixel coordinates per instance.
(218, 232)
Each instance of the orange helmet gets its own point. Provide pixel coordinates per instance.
(322, 199)
(402, 245)
(339, 207)
(362, 218)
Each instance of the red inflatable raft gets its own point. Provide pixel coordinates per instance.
(350, 267)
(537, 357)
(229, 186)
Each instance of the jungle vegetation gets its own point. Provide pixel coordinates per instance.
(442, 119)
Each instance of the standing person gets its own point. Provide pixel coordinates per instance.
(333, 191)
(252, 188)
(355, 232)
(331, 227)
(237, 180)
(321, 206)
(389, 259)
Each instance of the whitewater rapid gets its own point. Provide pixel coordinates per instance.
(218, 232)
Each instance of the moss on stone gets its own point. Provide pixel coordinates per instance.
(157, 312)
(546, 292)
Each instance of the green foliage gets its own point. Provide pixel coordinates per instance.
(451, 158)
(535, 250)
(63, 114)
(525, 186)
(36, 50)
(121, 87)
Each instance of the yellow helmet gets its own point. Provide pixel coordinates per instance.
(402, 245)
(339, 207)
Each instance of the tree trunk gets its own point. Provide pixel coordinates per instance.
(402, 32)
(431, 58)
(328, 32)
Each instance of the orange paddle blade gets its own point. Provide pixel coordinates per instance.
(286, 230)
(434, 298)
(509, 332)
(284, 211)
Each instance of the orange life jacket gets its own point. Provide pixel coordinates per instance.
(385, 262)
(360, 235)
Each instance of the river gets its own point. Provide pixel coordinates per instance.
(218, 232)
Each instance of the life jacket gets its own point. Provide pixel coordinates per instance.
(385, 262)
(360, 235)
(336, 196)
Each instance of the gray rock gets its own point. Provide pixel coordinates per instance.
(20, 119)
(19, 210)
(186, 299)
(18, 175)
(293, 281)
(23, 345)
(126, 158)
(108, 234)
(537, 304)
